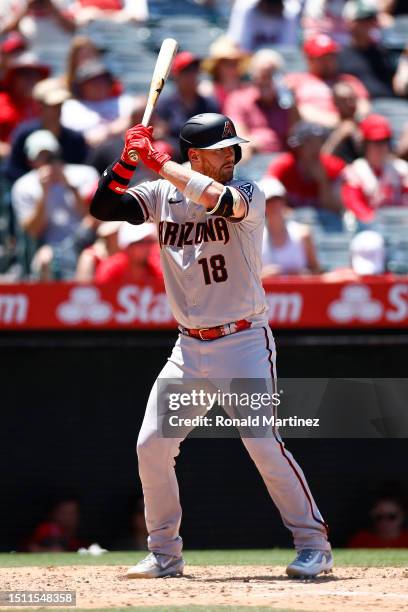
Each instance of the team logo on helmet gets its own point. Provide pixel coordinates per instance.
(228, 130)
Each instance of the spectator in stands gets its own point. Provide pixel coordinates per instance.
(138, 260)
(263, 23)
(96, 110)
(105, 246)
(402, 147)
(387, 517)
(175, 108)
(365, 57)
(12, 45)
(311, 177)
(325, 17)
(345, 140)
(263, 112)
(391, 8)
(50, 96)
(367, 253)
(59, 532)
(40, 21)
(313, 89)
(400, 81)
(49, 202)
(117, 11)
(226, 64)
(287, 245)
(16, 101)
(378, 179)
(82, 49)
(367, 257)
(102, 155)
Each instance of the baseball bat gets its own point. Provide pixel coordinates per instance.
(161, 71)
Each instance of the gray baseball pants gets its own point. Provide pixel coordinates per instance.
(247, 354)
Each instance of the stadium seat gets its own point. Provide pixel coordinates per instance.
(395, 37)
(255, 168)
(305, 215)
(397, 255)
(392, 224)
(293, 57)
(192, 34)
(192, 8)
(332, 250)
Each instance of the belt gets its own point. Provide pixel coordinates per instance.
(212, 333)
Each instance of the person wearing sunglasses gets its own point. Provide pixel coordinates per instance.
(387, 517)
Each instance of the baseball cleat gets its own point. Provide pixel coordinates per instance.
(309, 563)
(157, 565)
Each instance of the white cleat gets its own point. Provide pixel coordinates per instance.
(310, 563)
(157, 565)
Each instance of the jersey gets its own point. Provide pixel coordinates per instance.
(211, 265)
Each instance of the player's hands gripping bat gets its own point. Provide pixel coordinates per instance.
(161, 71)
(139, 140)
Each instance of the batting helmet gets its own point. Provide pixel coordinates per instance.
(209, 131)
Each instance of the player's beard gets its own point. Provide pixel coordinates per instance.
(221, 174)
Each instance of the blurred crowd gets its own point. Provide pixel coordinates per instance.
(318, 87)
(383, 524)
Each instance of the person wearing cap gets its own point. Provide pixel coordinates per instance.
(173, 109)
(12, 45)
(226, 64)
(313, 89)
(104, 246)
(81, 49)
(50, 95)
(263, 112)
(49, 201)
(365, 57)
(287, 246)
(367, 253)
(378, 178)
(16, 101)
(40, 20)
(138, 258)
(95, 109)
(311, 177)
(263, 23)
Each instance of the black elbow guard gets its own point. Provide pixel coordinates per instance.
(109, 204)
(224, 206)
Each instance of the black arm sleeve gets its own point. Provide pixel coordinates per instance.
(107, 205)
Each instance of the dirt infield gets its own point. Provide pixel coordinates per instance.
(346, 589)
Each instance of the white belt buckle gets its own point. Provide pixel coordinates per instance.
(203, 329)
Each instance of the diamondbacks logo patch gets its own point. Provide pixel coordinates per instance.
(248, 189)
(228, 130)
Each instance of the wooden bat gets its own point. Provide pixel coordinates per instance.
(161, 71)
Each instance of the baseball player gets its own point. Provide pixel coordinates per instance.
(210, 229)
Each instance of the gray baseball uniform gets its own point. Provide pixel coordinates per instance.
(211, 268)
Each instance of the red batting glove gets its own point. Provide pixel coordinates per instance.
(139, 139)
